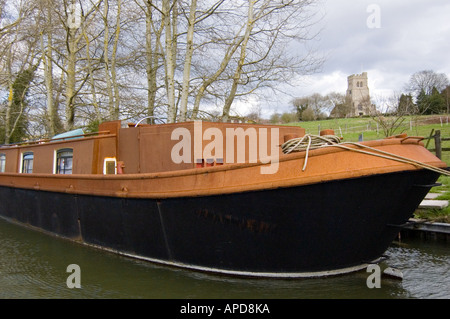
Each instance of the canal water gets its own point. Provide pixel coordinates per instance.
(34, 265)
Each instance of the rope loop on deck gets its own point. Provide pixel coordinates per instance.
(309, 142)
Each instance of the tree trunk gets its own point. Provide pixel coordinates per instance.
(170, 61)
(238, 72)
(10, 98)
(90, 70)
(47, 59)
(150, 68)
(188, 61)
(223, 65)
(71, 80)
(114, 64)
(109, 86)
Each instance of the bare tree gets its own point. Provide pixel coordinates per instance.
(263, 60)
(392, 120)
(188, 60)
(425, 81)
(46, 47)
(18, 62)
(341, 105)
(254, 52)
(169, 11)
(251, 19)
(111, 59)
(72, 39)
(153, 32)
(318, 105)
(208, 80)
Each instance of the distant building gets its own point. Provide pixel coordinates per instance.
(357, 100)
(358, 95)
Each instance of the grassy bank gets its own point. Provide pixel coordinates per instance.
(438, 215)
(352, 129)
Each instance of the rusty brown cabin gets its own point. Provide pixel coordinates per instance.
(141, 149)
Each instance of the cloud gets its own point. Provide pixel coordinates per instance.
(413, 36)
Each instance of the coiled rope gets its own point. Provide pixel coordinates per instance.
(309, 142)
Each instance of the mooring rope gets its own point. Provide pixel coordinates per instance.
(314, 141)
(308, 142)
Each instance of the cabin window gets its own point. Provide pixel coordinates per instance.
(2, 163)
(64, 161)
(110, 166)
(27, 162)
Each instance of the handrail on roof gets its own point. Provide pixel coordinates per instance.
(45, 140)
(149, 117)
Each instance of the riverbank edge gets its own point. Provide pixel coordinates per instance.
(426, 229)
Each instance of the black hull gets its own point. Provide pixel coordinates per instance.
(310, 230)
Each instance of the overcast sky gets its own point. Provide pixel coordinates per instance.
(404, 38)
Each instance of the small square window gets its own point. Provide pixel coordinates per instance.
(2, 163)
(64, 161)
(27, 162)
(110, 166)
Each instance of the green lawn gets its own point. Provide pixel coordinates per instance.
(438, 215)
(352, 129)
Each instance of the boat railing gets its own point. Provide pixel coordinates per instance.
(153, 119)
(57, 139)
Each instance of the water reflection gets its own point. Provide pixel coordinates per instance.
(33, 265)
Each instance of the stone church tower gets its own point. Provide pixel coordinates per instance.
(358, 95)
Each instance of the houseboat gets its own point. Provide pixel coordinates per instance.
(229, 198)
